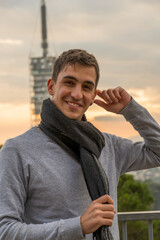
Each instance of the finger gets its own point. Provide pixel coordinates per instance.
(99, 94)
(107, 214)
(112, 95)
(106, 219)
(106, 222)
(116, 93)
(104, 199)
(100, 103)
(105, 207)
(107, 95)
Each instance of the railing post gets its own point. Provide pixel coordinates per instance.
(124, 230)
(150, 229)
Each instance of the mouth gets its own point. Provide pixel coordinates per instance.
(73, 104)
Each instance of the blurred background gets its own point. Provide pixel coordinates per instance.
(123, 35)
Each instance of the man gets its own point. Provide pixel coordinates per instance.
(56, 179)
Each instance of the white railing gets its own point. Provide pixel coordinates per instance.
(138, 216)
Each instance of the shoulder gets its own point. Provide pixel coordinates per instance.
(19, 140)
(22, 149)
(24, 143)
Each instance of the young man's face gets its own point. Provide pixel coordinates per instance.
(74, 90)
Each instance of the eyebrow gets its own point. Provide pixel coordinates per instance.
(75, 79)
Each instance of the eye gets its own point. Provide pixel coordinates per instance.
(87, 87)
(69, 83)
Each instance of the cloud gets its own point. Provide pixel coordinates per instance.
(10, 42)
(148, 96)
(17, 4)
(148, 2)
(104, 118)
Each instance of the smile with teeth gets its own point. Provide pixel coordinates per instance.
(74, 104)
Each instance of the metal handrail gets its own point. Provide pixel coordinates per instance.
(138, 216)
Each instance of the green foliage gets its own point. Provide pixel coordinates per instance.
(134, 195)
(155, 191)
(1, 146)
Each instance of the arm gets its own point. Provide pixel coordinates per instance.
(144, 154)
(14, 179)
(132, 156)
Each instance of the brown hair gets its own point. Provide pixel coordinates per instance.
(73, 56)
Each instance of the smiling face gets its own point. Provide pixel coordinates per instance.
(74, 90)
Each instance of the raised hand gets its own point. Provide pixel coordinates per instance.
(98, 214)
(114, 100)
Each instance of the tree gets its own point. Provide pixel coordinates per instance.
(155, 191)
(134, 195)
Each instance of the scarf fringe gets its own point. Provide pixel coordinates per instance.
(103, 233)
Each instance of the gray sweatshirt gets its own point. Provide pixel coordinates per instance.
(42, 188)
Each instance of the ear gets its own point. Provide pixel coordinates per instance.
(95, 93)
(50, 86)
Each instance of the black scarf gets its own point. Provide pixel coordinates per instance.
(86, 142)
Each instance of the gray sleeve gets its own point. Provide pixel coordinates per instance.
(139, 155)
(13, 194)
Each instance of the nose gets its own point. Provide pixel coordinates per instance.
(77, 92)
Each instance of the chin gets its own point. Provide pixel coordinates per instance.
(73, 117)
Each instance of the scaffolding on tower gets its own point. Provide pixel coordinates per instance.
(40, 71)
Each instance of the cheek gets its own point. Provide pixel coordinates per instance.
(89, 97)
(61, 92)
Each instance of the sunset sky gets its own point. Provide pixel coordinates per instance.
(123, 35)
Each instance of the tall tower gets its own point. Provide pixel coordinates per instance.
(40, 70)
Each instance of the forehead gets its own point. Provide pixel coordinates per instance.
(79, 71)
